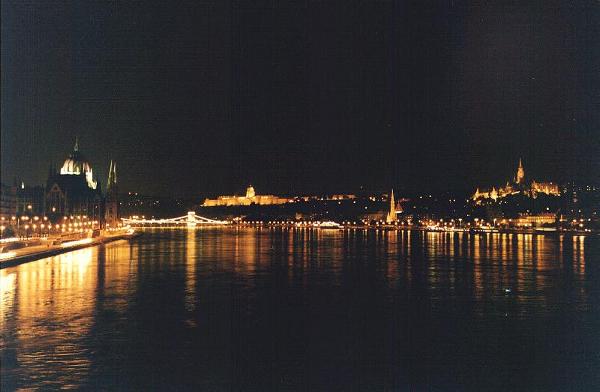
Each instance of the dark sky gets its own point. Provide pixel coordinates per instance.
(205, 97)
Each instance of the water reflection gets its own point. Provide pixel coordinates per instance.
(217, 304)
(190, 258)
(47, 318)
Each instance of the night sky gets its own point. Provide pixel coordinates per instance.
(204, 97)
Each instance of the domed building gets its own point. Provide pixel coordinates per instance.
(77, 164)
(250, 198)
(73, 190)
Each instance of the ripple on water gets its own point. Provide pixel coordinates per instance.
(222, 309)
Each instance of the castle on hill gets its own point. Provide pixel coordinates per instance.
(250, 198)
(519, 185)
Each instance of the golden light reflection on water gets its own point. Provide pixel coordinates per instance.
(246, 248)
(190, 269)
(7, 295)
(53, 303)
(38, 295)
(48, 312)
(507, 266)
(579, 254)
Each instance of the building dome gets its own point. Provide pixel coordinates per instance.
(77, 164)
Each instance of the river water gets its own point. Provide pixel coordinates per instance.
(225, 309)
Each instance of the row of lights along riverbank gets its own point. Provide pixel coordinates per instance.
(36, 226)
(582, 225)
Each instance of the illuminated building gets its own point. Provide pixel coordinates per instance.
(518, 186)
(73, 190)
(30, 200)
(76, 164)
(341, 197)
(111, 205)
(547, 188)
(8, 201)
(535, 220)
(520, 173)
(250, 198)
(391, 216)
(335, 197)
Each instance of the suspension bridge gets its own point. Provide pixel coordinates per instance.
(190, 219)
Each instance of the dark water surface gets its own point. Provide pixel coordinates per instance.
(275, 309)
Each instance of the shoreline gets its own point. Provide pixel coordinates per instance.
(54, 251)
(57, 250)
(383, 227)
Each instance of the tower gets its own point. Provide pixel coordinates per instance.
(391, 216)
(111, 211)
(250, 192)
(520, 173)
(494, 194)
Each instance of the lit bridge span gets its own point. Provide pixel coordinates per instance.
(191, 219)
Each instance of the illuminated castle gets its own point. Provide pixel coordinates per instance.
(517, 186)
(250, 198)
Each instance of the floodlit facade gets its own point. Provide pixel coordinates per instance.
(76, 164)
(535, 220)
(250, 198)
(73, 190)
(517, 186)
(111, 205)
(391, 216)
(8, 201)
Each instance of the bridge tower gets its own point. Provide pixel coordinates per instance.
(191, 218)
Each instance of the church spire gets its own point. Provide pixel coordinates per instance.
(111, 214)
(112, 176)
(391, 217)
(109, 175)
(520, 173)
(76, 147)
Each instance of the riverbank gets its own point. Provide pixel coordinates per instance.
(439, 229)
(48, 248)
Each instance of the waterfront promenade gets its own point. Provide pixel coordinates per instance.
(33, 249)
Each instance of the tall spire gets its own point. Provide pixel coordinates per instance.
(108, 183)
(391, 216)
(520, 173)
(76, 148)
(111, 214)
(112, 176)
